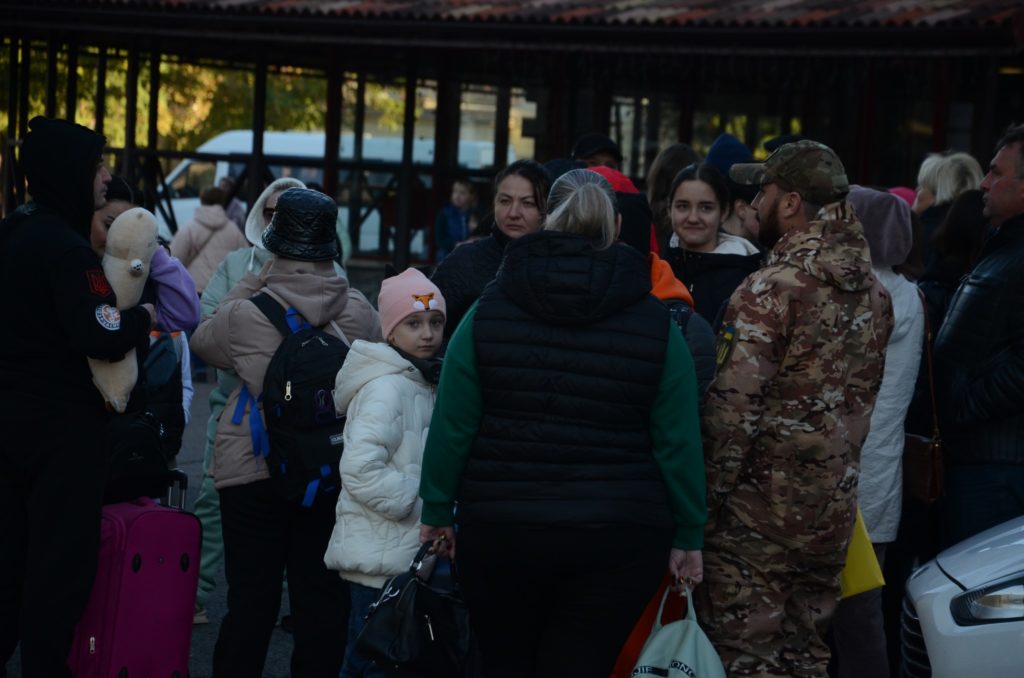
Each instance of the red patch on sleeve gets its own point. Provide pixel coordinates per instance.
(98, 283)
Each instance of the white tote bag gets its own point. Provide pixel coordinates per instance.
(679, 649)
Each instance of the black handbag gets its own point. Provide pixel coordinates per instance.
(417, 627)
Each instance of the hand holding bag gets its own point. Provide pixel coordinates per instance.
(923, 458)
(679, 649)
(418, 628)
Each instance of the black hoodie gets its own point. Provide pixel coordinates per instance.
(59, 305)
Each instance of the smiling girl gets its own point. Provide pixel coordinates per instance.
(710, 262)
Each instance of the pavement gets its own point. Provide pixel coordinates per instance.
(204, 636)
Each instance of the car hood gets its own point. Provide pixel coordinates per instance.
(986, 557)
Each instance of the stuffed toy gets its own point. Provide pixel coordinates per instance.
(131, 242)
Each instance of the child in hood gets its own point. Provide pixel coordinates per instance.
(387, 390)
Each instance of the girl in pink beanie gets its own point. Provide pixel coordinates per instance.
(387, 391)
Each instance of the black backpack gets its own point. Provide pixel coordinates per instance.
(302, 428)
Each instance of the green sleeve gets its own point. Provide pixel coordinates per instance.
(453, 427)
(677, 448)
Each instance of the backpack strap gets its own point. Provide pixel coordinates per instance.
(275, 313)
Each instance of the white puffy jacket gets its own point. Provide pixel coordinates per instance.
(389, 403)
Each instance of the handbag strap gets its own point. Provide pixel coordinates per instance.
(417, 562)
(928, 361)
(690, 614)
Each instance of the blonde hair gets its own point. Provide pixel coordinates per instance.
(583, 202)
(947, 175)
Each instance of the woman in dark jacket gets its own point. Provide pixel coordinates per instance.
(520, 192)
(710, 262)
(566, 429)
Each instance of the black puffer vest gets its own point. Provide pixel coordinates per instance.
(570, 348)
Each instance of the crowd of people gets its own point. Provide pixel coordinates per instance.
(702, 383)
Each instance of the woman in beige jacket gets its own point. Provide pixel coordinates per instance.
(263, 533)
(204, 242)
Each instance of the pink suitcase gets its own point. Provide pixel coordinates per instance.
(139, 618)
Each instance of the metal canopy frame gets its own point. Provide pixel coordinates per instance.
(579, 64)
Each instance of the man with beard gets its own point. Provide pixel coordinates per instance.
(800, 360)
(60, 309)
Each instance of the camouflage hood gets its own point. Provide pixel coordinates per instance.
(832, 249)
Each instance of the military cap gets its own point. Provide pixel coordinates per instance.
(806, 167)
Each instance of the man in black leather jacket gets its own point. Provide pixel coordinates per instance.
(979, 356)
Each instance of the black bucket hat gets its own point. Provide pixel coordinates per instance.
(303, 227)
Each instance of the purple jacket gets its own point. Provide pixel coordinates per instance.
(177, 304)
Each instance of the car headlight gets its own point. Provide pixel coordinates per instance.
(1000, 601)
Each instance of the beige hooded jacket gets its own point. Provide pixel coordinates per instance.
(239, 337)
(204, 242)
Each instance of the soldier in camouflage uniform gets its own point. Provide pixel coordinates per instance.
(800, 360)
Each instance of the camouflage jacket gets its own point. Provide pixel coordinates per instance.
(800, 360)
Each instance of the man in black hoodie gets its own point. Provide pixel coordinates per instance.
(60, 309)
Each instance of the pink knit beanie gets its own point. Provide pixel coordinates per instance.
(402, 295)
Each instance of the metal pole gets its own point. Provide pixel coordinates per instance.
(406, 182)
(9, 173)
(52, 46)
(332, 145)
(501, 115)
(154, 100)
(259, 124)
(26, 60)
(355, 198)
(71, 86)
(101, 88)
(131, 114)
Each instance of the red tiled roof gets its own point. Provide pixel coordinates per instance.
(680, 13)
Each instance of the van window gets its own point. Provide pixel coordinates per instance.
(196, 178)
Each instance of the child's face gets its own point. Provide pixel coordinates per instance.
(419, 334)
(460, 195)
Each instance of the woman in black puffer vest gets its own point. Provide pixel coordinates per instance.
(566, 429)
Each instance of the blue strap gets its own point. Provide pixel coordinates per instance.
(260, 439)
(295, 321)
(311, 489)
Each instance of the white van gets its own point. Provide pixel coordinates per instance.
(190, 177)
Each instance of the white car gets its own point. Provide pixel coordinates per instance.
(963, 614)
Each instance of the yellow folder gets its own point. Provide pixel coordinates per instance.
(861, 572)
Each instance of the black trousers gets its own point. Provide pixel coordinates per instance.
(50, 492)
(263, 537)
(557, 601)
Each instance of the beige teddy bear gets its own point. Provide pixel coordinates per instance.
(131, 242)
